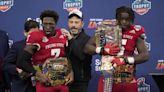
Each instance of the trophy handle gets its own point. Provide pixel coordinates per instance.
(108, 32)
(108, 81)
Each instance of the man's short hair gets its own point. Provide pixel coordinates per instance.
(30, 24)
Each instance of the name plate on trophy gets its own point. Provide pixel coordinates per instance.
(56, 70)
(107, 32)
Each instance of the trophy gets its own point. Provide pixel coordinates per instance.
(55, 69)
(108, 32)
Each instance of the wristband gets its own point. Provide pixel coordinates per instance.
(98, 50)
(130, 60)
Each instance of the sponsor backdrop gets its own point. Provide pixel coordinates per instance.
(13, 14)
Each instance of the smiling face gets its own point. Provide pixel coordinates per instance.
(75, 25)
(49, 25)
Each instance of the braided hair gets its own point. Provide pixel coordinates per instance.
(125, 9)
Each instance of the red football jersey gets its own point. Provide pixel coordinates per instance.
(129, 38)
(129, 42)
(49, 47)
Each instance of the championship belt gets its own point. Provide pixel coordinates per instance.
(56, 69)
(108, 32)
(123, 74)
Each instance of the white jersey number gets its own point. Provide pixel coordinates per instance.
(55, 52)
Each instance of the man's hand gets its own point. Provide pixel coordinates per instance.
(22, 74)
(19, 70)
(111, 49)
(69, 78)
(66, 33)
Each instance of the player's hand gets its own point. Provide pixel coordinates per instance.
(111, 49)
(42, 77)
(118, 61)
(69, 78)
(66, 33)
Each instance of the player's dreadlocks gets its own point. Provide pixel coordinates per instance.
(125, 9)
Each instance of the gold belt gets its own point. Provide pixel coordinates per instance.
(54, 69)
(122, 77)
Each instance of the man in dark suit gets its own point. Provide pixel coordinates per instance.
(81, 61)
(3, 51)
(18, 84)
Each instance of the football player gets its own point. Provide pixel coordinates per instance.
(42, 45)
(133, 37)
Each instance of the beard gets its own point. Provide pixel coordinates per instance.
(74, 31)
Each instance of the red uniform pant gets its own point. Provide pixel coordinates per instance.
(121, 87)
(42, 88)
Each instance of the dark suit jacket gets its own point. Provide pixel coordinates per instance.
(18, 85)
(3, 44)
(3, 51)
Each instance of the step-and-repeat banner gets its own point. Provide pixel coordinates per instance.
(149, 14)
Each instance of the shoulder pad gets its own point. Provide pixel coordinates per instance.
(35, 37)
(137, 27)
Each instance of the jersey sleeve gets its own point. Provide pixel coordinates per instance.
(140, 31)
(34, 38)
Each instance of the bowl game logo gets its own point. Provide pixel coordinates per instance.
(94, 22)
(142, 86)
(160, 65)
(69, 5)
(5, 5)
(141, 7)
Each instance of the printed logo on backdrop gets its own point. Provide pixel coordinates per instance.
(97, 65)
(160, 65)
(5, 5)
(94, 22)
(142, 86)
(69, 5)
(141, 7)
(148, 45)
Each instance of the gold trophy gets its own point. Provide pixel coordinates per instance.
(108, 32)
(56, 69)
